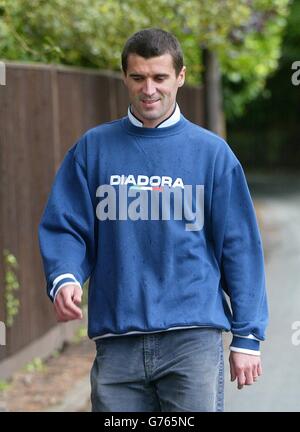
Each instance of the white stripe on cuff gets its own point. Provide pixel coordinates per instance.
(245, 351)
(59, 278)
(64, 284)
(250, 336)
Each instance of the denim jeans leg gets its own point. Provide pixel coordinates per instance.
(190, 372)
(118, 377)
(178, 370)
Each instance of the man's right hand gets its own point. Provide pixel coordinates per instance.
(66, 301)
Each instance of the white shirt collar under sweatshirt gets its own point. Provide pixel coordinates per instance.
(174, 118)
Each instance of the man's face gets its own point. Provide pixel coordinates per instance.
(152, 86)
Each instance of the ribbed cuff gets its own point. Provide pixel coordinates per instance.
(245, 343)
(60, 281)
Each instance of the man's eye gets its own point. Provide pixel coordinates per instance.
(137, 78)
(160, 78)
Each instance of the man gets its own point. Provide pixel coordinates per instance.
(155, 210)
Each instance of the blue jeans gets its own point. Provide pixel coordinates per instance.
(177, 370)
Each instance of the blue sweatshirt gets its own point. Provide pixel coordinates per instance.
(161, 222)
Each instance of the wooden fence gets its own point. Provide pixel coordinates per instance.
(43, 111)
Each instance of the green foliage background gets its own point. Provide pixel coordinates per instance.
(246, 35)
(267, 136)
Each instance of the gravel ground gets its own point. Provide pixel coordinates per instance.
(48, 383)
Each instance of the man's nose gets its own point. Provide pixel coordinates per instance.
(148, 87)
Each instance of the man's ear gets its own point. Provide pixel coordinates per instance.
(124, 77)
(181, 76)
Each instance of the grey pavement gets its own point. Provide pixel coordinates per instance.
(279, 387)
(77, 399)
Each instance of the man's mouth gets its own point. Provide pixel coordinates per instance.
(149, 102)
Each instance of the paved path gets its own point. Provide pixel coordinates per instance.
(77, 399)
(279, 387)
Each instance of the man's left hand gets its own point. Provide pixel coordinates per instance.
(245, 367)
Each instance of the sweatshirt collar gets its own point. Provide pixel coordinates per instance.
(172, 119)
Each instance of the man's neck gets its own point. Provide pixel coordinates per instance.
(171, 118)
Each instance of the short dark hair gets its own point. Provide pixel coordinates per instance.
(153, 42)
